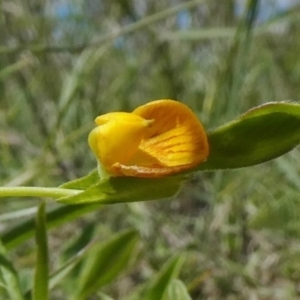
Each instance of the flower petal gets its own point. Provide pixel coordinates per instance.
(117, 137)
(145, 172)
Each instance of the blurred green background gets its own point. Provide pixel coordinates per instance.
(62, 63)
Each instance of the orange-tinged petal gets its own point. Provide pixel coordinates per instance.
(176, 141)
(146, 172)
(176, 133)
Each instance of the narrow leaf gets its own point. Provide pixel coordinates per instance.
(259, 135)
(178, 291)
(64, 270)
(40, 288)
(105, 297)
(9, 276)
(105, 262)
(160, 284)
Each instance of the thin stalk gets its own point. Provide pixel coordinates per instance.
(28, 191)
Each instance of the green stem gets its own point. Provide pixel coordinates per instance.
(28, 191)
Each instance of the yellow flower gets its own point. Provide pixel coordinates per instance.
(157, 139)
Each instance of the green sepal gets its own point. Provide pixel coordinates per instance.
(83, 182)
(127, 189)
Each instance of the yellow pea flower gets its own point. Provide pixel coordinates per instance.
(157, 139)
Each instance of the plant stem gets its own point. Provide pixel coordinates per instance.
(27, 191)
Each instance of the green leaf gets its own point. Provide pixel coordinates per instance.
(160, 285)
(127, 189)
(177, 291)
(259, 135)
(105, 262)
(67, 267)
(40, 288)
(8, 276)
